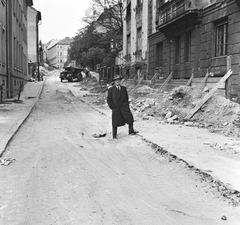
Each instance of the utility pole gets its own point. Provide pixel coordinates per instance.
(38, 19)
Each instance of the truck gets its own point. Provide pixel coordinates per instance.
(71, 74)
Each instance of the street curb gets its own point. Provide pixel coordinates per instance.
(230, 194)
(14, 129)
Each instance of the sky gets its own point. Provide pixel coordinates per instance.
(60, 18)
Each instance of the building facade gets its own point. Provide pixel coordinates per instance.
(34, 18)
(57, 53)
(14, 45)
(3, 56)
(193, 37)
(135, 37)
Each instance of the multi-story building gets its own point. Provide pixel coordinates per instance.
(192, 37)
(135, 36)
(34, 18)
(47, 46)
(13, 47)
(57, 53)
(3, 36)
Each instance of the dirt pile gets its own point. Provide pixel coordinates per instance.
(218, 114)
(90, 82)
(142, 90)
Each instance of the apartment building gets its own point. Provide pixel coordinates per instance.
(57, 52)
(14, 45)
(192, 37)
(34, 18)
(135, 37)
(3, 57)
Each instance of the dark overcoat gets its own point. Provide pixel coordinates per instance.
(118, 103)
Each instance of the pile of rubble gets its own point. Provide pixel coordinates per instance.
(232, 148)
(218, 114)
(142, 90)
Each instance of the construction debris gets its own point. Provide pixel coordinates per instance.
(206, 97)
(6, 161)
(217, 114)
(99, 135)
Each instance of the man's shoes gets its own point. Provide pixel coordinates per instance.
(134, 132)
(115, 138)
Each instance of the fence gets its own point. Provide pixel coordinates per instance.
(106, 74)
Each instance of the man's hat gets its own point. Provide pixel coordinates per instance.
(117, 77)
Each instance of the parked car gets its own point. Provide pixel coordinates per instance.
(71, 73)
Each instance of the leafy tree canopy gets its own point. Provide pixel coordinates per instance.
(100, 40)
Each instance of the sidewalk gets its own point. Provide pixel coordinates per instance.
(12, 114)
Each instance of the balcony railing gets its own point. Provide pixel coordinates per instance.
(173, 9)
(178, 14)
(138, 56)
(128, 58)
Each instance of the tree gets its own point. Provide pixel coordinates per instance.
(101, 39)
(106, 15)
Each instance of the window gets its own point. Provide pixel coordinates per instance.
(3, 46)
(17, 55)
(21, 58)
(128, 73)
(14, 51)
(221, 39)
(139, 39)
(128, 44)
(159, 54)
(187, 52)
(128, 15)
(177, 49)
(166, 15)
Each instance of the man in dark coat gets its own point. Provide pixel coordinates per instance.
(118, 102)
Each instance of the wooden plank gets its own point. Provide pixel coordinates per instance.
(207, 96)
(140, 80)
(228, 82)
(153, 80)
(190, 79)
(203, 83)
(166, 81)
(205, 78)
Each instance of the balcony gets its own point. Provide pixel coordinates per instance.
(138, 15)
(138, 56)
(178, 14)
(127, 59)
